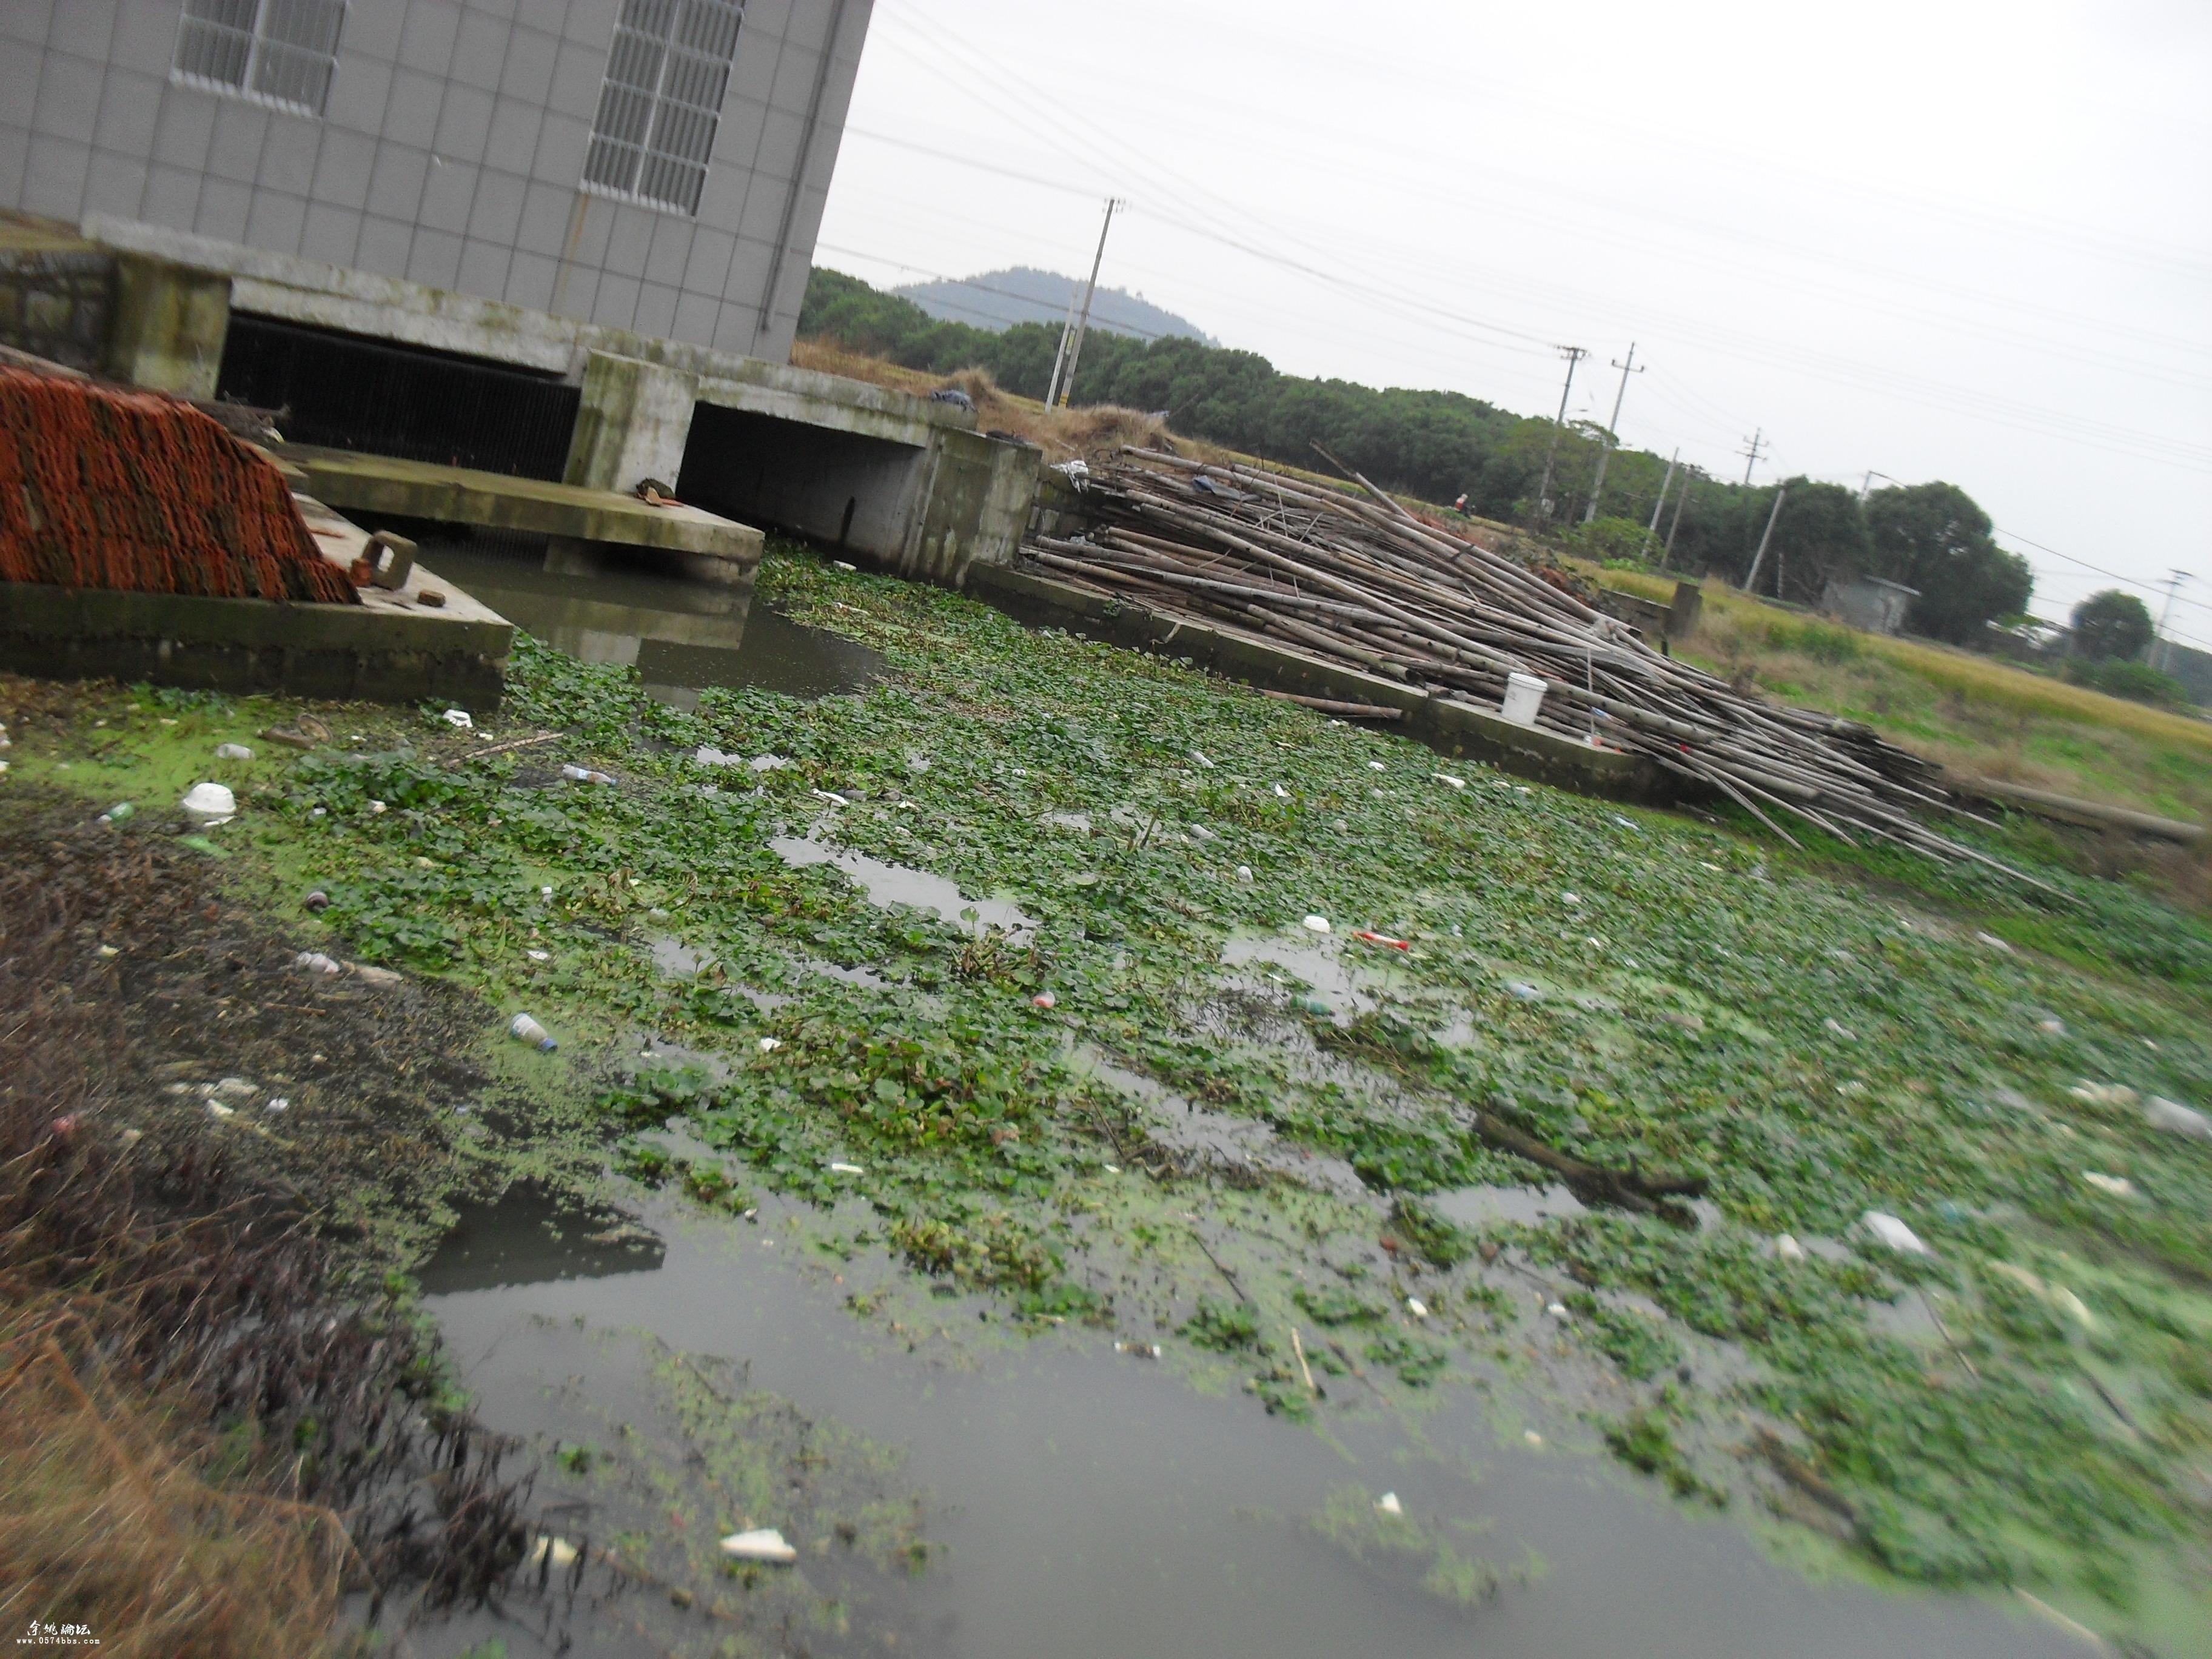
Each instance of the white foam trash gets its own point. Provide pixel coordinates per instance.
(1888, 1230)
(2177, 1119)
(761, 1544)
(210, 802)
(1524, 696)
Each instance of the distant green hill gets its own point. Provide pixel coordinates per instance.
(1438, 445)
(997, 300)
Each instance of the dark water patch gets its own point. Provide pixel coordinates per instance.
(1079, 1502)
(529, 1235)
(682, 637)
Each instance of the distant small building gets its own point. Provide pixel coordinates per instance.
(1869, 603)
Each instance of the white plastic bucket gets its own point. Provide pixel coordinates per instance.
(1524, 696)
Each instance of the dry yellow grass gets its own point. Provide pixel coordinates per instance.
(108, 1521)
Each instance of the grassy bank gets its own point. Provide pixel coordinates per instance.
(216, 1412)
(1977, 714)
(1554, 990)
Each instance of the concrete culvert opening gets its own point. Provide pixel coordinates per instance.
(840, 490)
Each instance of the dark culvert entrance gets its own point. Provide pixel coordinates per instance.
(837, 489)
(347, 391)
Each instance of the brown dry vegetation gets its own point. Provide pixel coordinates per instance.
(208, 1428)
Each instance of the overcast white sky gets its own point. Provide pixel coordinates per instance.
(1935, 240)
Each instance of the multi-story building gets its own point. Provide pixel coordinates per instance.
(531, 236)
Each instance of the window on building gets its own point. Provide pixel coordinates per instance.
(282, 52)
(663, 99)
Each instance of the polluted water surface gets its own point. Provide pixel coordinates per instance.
(887, 885)
(683, 637)
(1051, 1495)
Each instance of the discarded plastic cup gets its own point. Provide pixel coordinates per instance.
(529, 1030)
(585, 775)
(210, 804)
(316, 961)
(458, 719)
(233, 751)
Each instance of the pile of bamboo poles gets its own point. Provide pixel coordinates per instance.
(1363, 583)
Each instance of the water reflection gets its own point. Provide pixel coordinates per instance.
(528, 1236)
(681, 636)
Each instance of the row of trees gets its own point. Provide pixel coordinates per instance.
(1438, 445)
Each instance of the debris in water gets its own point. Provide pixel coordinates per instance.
(1385, 939)
(1243, 873)
(529, 1030)
(770, 1045)
(458, 719)
(2116, 1186)
(278, 1103)
(1317, 924)
(209, 804)
(369, 975)
(540, 956)
(2177, 1119)
(233, 751)
(847, 1169)
(1140, 1349)
(1416, 1307)
(1532, 1436)
(316, 961)
(1888, 1230)
(1523, 991)
(1559, 1311)
(548, 1550)
(1446, 777)
(1388, 1504)
(1836, 1028)
(1200, 758)
(122, 813)
(1994, 943)
(2055, 1027)
(1788, 1248)
(376, 807)
(1045, 999)
(761, 1544)
(317, 901)
(576, 774)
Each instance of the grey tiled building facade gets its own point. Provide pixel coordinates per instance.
(657, 166)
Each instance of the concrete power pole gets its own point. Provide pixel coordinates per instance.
(2164, 654)
(1064, 388)
(1751, 448)
(1665, 484)
(1751, 582)
(1666, 553)
(1573, 355)
(1612, 433)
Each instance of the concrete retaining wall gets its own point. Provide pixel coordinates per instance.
(244, 646)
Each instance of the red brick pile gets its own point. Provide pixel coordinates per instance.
(101, 486)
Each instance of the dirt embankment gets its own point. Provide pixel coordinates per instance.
(219, 1421)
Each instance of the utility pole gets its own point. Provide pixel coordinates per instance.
(1752, 446)
(1751, 582)
(2165, 652)
(1063, 389)
(1573, 355)
(1612, 433)
(1867, 488)
(1667, 554)
(1652, 529)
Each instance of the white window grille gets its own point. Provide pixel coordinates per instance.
(662, 100)
(275, 51)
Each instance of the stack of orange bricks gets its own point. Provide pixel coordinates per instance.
(101, 486)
